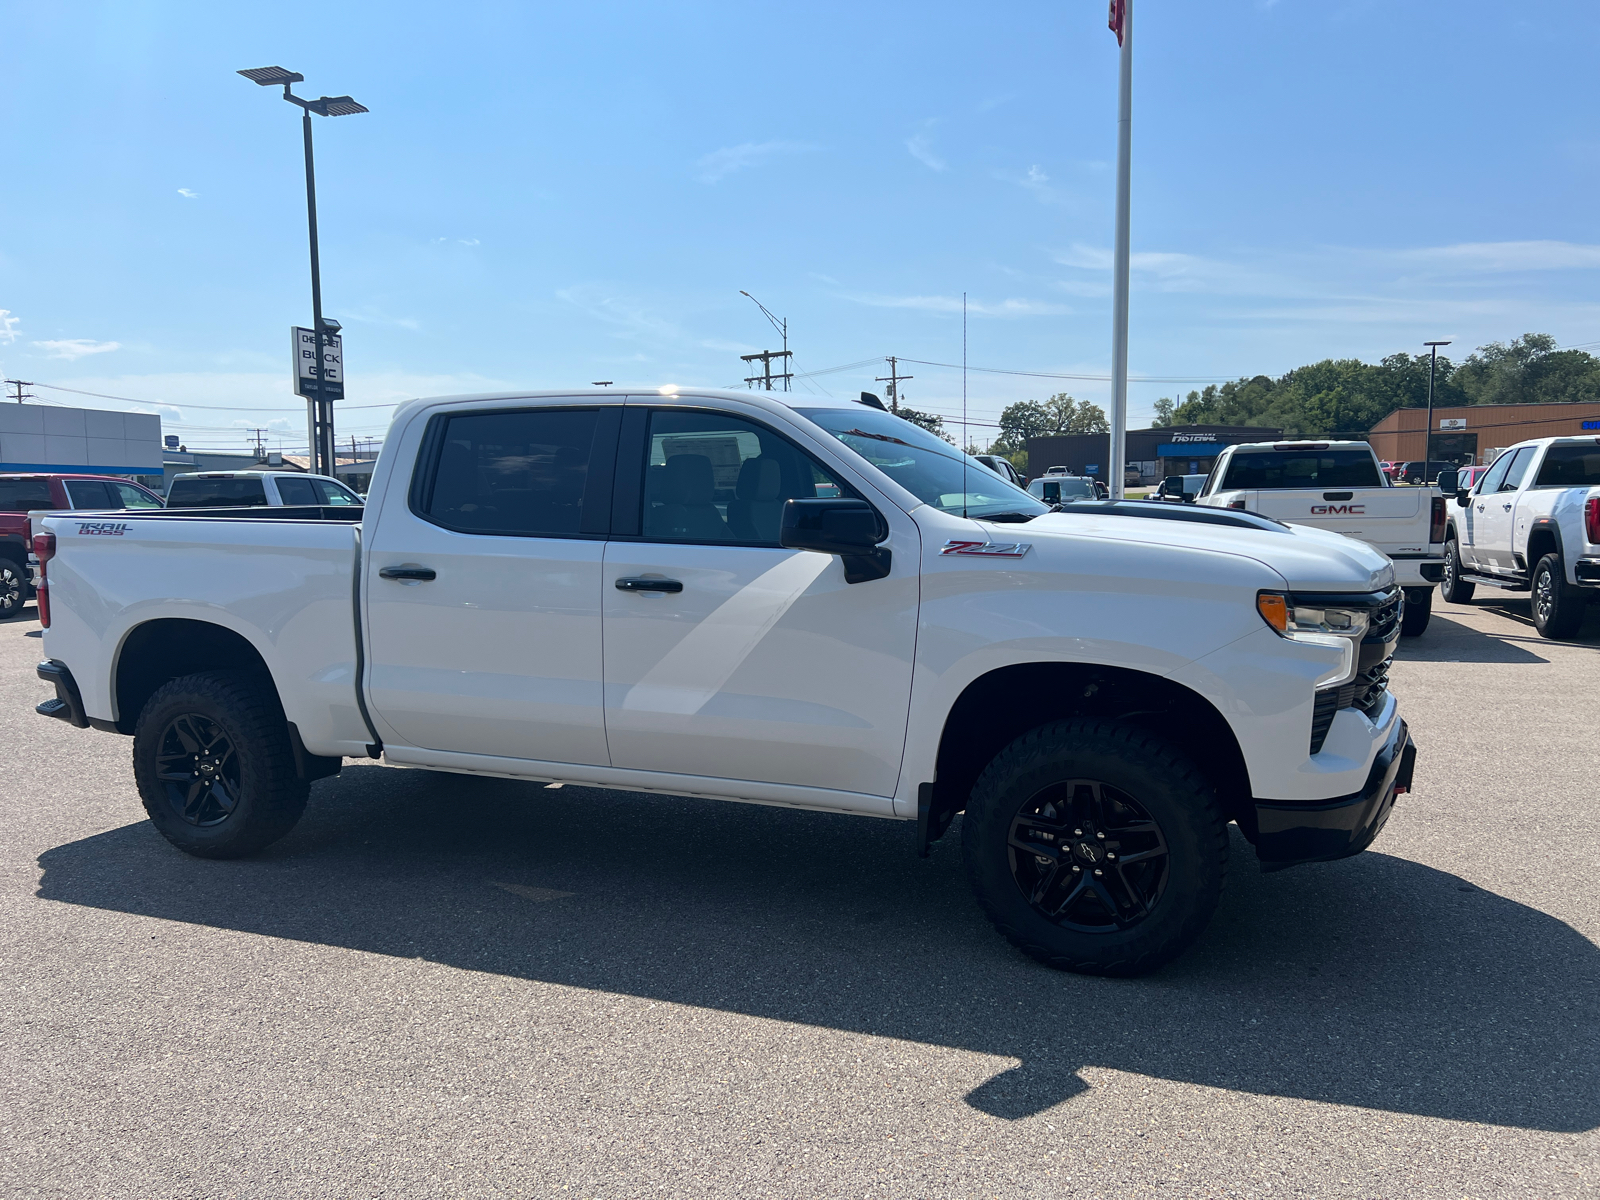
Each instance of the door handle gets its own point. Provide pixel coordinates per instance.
(649, 585)
(1508, 508)
(418, 573)
(1480, 508)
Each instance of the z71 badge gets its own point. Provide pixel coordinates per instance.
(987, 549)
(102, 528)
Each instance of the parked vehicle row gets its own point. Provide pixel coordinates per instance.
(819, 606)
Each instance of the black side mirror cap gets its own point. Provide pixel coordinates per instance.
(1463, 496)
(851, 529)
(1447, 480)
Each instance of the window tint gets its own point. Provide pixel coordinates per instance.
(329, 492)
(514, 473)
(133, 497)
(21, 495)
(217, 493)
(296, 491)
(1260, 470)
(1570, 466)
(1491, 481)
(89, 493)
(1519, 468)
(716, 478)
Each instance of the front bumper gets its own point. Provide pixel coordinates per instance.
(1290, 832)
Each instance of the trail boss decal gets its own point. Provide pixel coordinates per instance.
(102, 528)
(1337, 510)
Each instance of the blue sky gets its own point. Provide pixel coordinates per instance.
(545, 195)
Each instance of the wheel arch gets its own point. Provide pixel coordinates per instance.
(166, 648)
(997, 707)
(1543, 538)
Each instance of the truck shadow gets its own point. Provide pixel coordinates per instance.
(1373, 982)
(1453, 641)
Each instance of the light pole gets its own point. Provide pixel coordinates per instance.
(321, 416)
(1427, 441)
(782, 326)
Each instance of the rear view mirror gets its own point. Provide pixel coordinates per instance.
(851, 529)
(1447, 480)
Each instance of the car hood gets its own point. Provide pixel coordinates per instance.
(1308, 559)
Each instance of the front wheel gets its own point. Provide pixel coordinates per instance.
(1095, 847)
(214, 767)
(1456, 590)
(13, 589)
(1419, 607)
(1557, 607)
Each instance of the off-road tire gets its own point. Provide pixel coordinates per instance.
(1418, 608)
(13, 589)
(1558, 607)
(1166, 785)
(268, 796)
(1455, 589)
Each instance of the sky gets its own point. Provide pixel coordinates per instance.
(547, 195)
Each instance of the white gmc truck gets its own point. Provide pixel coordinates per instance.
(715, 594)
(1532, 523)
(1340, 486)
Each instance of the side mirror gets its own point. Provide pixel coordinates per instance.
(1447, 480)
(1188, 497)
(851, 529)
(1463, 496)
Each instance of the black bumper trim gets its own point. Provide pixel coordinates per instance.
(1290, 832)
(68, 704)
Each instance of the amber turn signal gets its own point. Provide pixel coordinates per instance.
(1274, 610)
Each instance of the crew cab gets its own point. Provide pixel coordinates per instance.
(1531, 522)
(716, 594)
(24, 493)
(1339, 486)
(235, 489)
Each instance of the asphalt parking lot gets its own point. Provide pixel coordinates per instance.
(440, 986)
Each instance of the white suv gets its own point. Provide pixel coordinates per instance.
(250, 489)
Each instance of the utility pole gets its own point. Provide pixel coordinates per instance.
(1122, 25)
(258, 436)
(894, 379)
(766, 377)
(19, 384)
(1427, 441)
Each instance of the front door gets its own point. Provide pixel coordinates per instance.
(482, 587)
(730, 657)
(1492, 510)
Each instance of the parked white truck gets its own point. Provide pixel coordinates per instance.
(1341, 486)
(1531, 523)
(716, 594)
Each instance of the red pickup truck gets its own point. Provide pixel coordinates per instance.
(22, 494)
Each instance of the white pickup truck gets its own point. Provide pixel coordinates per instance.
(1531, 523)
(715, 594)
(1340, 486)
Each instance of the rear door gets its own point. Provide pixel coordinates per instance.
(482, 585)
(728, 656)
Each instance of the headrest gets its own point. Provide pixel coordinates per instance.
(687, 480)
(759, 479)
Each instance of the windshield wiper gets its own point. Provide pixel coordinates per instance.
(1010, 518)
(877, 437)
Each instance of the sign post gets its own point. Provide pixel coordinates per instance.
(321, 383)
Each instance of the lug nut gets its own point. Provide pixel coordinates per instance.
(1097, 870)
(1111, 857)
(1075, 870)
(1100, 835)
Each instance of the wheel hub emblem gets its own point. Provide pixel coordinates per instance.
(1087, 852)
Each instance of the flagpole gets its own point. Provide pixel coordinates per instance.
(1119, 299)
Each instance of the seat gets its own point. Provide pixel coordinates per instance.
(687, 486)
(756, 510)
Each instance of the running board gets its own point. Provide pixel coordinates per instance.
(1496, 581)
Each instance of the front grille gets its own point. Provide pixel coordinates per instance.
(1384, 619)
(1364, 693)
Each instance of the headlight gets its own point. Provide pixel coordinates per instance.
(1337, 628)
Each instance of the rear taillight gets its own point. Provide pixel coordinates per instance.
(1591, 519)
(44, 549)
(1436, 525)
(1236, 504)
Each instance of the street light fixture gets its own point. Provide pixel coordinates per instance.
(320, 410)
(1427, 441)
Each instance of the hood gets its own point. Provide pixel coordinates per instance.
(1308, 559)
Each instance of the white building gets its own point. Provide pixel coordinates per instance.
(43, 437)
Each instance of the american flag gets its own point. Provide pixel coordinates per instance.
(1119, 14)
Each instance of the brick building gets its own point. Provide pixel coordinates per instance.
(1475, 433)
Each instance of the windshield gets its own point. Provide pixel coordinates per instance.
(1259, 470)
(927, 466)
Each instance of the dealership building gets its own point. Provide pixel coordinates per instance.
(1476, 433)
(55, 440)
(1154, 453)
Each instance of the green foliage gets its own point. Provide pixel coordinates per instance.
(933, 424)
(1528, 371)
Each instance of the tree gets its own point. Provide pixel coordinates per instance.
(933, 424)
(1530, 370)
(1165, 408)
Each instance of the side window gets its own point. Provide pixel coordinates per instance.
(132, 497)
(1517, 469)
(22, 495)
(89, 493)
(711, 477)
(296, 491)
(1490, 482)
(334, 494)
(515, 473)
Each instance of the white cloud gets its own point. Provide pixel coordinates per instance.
(921, 147)
(1509, 256)
(975, 308)
(187, 194)
(8, 326)
(719, 164)
(74, 348)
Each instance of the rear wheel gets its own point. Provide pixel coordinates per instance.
(214, 767)
(1419, 607)
(1456, 590)
(1557, 607)
(1095, 847)
(13, 589)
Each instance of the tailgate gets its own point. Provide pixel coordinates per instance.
(1388, 519)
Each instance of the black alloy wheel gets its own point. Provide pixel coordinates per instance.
(1558, 608)
(13, 589)
(1456, 590)
(199, 770)
(1088, 857)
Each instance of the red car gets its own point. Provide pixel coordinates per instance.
(21, 494)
